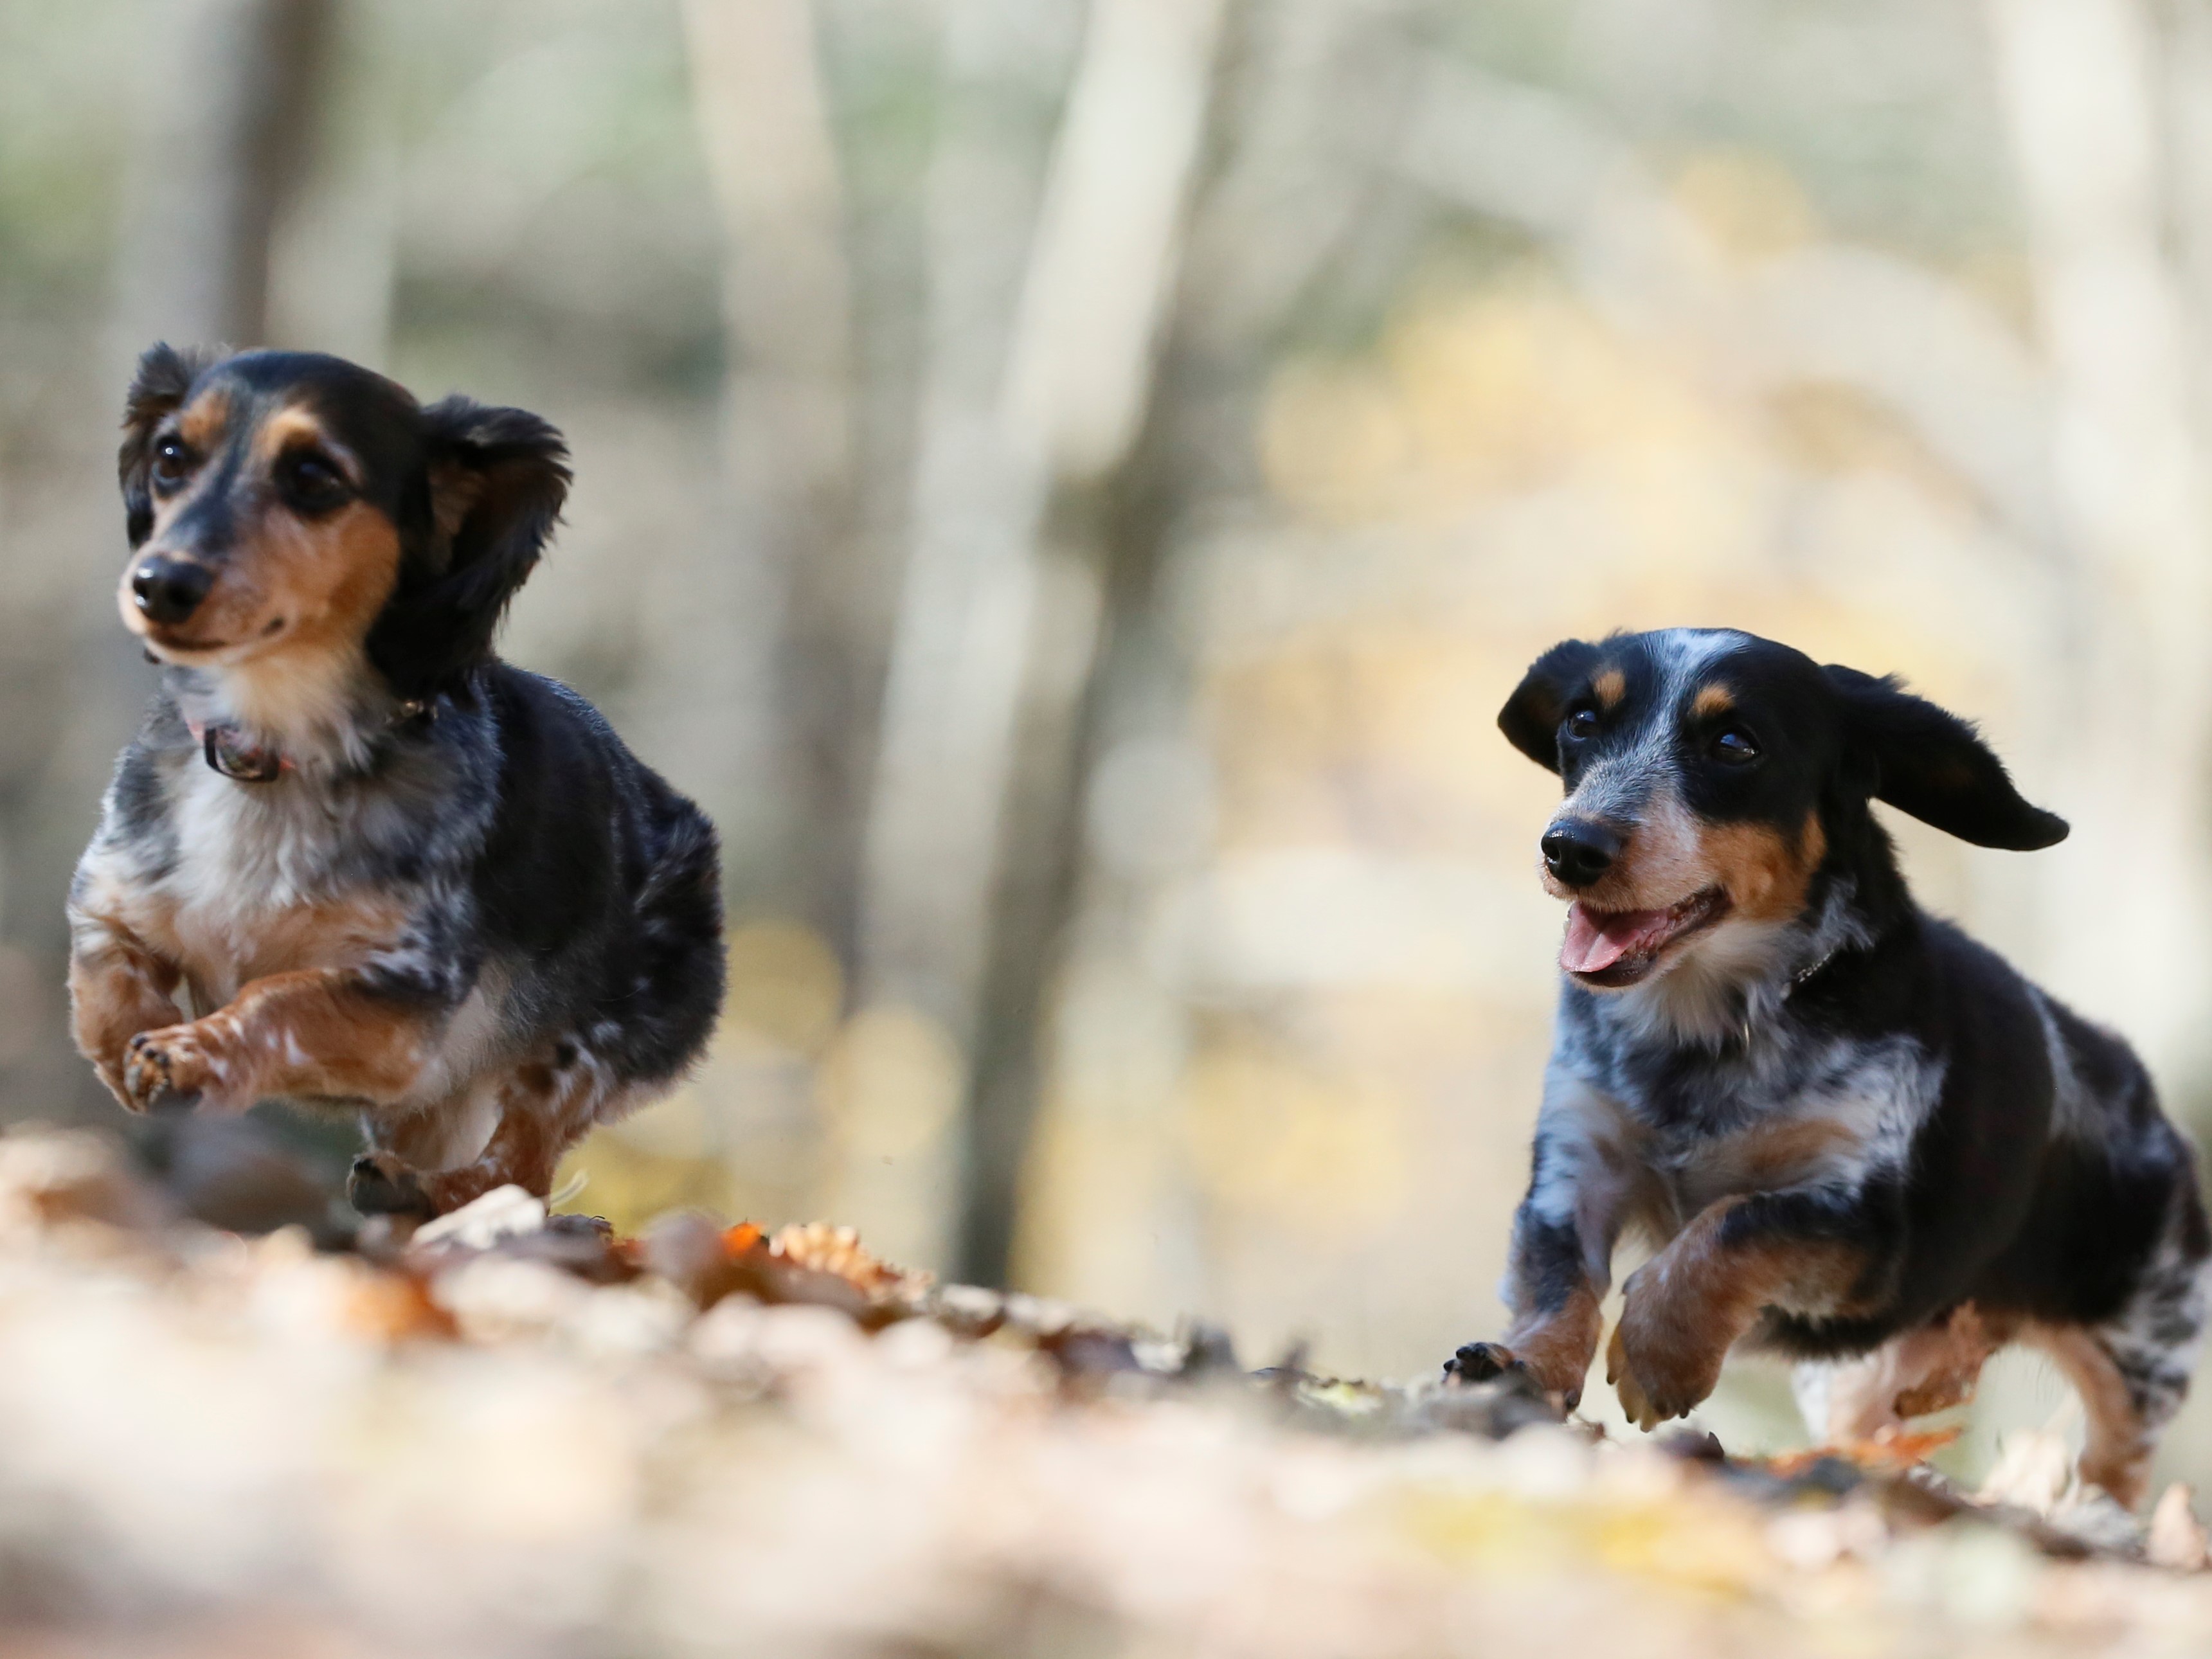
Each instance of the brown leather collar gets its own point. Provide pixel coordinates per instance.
(228, 751)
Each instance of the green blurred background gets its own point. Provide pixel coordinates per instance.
(1067, 483)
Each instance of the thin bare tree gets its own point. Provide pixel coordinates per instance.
(226, 145)
(1080, 385)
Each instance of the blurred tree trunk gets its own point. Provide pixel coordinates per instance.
(771, 161)
(2186, 89)
(2080, 83)
(1080, 387)
(1267, 203)
(974, 817)
(1309, 99)
(334, 249)
(226, 147)
(961, 639)
(964, 613)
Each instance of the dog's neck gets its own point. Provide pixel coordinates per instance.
(1738, 980)
(318, 714)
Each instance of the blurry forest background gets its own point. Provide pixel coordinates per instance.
(1067, 483)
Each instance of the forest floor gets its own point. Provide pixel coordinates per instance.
(505, 1435)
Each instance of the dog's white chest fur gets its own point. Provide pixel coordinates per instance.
(250, 859)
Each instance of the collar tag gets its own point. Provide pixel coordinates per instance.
(229, 754)
(228, 751)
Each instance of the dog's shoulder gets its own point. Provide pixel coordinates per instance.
(135, 812)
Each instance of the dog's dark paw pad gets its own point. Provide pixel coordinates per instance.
(1481, 1362)
(380, 1184)
(589, 1226)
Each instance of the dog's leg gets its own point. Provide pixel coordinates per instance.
(2132, 1372)
(542, 1111)
(1686, 1307)
(1556, 1321)
(2124, 1417)
(1563, 1238)
(118, 987)
(321, 1032)
(1849, 1402)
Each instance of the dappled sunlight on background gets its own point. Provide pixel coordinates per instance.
(1080, 575)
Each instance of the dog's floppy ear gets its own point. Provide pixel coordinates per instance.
(497, 477)
(165, 378)
(1530, 719)
(1926, 761)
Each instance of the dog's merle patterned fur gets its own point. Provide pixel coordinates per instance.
(1856, 1136)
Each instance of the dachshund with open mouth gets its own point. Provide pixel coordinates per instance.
(1853, 1136)
(353, 860)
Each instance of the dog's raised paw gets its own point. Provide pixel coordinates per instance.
(1657, 1378)
(161, 1072)
(381, 1184)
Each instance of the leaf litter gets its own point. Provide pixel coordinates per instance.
(511, 1433)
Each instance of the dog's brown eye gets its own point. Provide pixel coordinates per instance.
(311, 481)
(1583, 723)
(170, 460)
(1735, 747)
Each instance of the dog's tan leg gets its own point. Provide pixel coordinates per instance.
(1555, 1303)
(1686, 1307)
(1928, 1369)
(2116, 1452)
(118, 987)
(525, 1151)
(320, 1032)
(543, 1112)
(1557, 1346)
(2132, 1369)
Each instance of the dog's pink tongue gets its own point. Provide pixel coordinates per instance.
(1595, 942)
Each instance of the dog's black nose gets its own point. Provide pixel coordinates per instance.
(1580, 850)
(170, 590)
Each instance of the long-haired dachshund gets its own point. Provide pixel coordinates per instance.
(1855, 1136)
(353, 859)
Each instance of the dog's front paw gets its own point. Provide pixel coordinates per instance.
(169, 1067)
(1481, 1362)
(1661, 1363)
(381, 1184)
(1488, 1362)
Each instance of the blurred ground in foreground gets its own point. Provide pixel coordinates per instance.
(507, 1437)
(1068, 484)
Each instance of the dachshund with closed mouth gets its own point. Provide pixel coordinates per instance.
(353, 860)
(1853, 1136)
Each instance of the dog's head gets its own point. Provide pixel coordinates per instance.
(1708, 774)
(283, 505)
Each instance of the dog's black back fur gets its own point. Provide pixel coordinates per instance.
(596, 873)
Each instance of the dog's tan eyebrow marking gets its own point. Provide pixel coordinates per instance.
(1611, 686)
(203, 419)
(289, 429)
(1712, 700)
